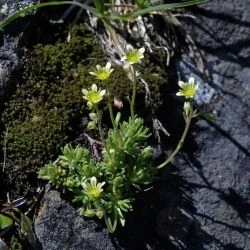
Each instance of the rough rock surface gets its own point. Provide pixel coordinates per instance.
(215, 171)
(58, 226)
(3, 245)
(10, 50)
(202, 201)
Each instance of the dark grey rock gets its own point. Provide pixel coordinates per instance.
(10, 50)
(9, 64)
(174, 223)
(13, 6)
(215, 169)
(58, 227)
(3, 245)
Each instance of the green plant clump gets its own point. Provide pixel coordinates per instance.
(106, 188)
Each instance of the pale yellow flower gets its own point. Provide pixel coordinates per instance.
(133, 56)
(188, 89)
(93, 96)
(102, 73)
(93, 189)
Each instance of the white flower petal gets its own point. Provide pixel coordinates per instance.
(108, 65)
(85, 91)
(179, 94)
(100, 185)
(84, 185)
(98, 67)
(128, 47)
(93, 181)
(103, 92)
(124, 58)
(181, 84)
(142, 50)
(191, 80)
(94, 87)
(92, 73)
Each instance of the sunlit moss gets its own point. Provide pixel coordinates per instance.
(47, 108)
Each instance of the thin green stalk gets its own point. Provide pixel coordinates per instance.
(111, 113)
(180, 144)
(113, 35)
(132, 108)
(99, 121)
(132, 103)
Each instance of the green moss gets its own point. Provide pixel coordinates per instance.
(47, 108)
(15, 243)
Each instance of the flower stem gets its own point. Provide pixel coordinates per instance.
(181, 142)
(99, 121)
(132, 103)
(111, 113)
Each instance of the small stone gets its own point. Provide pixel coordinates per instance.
(58, 226)
(3, 246)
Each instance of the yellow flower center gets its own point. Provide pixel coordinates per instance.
(94, 97)
(189, 91)
(103, 75)
(94, 192)
(133, 56)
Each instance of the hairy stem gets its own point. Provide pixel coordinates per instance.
(181, 142)
(111, 113)
(99, 121)
(132, 103)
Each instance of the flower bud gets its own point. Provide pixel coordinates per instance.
(118, 102)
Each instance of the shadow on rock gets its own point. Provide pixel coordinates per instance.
(162, 217)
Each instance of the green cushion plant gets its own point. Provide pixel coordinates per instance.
(106, 188)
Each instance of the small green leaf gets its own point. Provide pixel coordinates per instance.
(164, 7)
(27, 230)
(208, 116)
(28, 9)
(99, 4)
(142, 3)
(117, 118)
(161, 7)
(5, 221)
